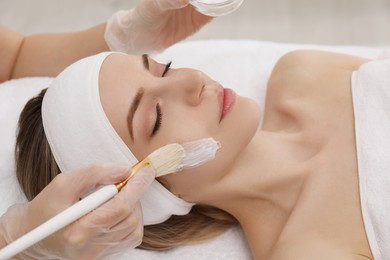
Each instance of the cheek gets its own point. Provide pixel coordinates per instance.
(175, 128)
(187, 125)
(234, 134)
(187, 132)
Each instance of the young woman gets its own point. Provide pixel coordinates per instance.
(291, 183)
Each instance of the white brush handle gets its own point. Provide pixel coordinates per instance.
(59, 221)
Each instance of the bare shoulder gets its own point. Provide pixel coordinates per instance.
(312, 249)
(10, 42)
(297, 64)
(319, 58)
(303, 76)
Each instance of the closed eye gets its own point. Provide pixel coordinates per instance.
(157, 124)
(167, 66)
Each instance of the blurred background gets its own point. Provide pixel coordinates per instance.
(330, 22)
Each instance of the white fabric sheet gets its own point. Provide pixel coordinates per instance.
(242, 65)
(371, 95)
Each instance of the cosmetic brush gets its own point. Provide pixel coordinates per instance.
(165, 160)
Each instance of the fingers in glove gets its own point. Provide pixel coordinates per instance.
(137, 186)
(164, 5)
(73, 185)
(111, 213)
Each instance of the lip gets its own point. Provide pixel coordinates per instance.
(227, 98)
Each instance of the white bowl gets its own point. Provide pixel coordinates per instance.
(216, 7)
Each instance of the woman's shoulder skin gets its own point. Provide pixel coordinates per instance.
(310, 66)
(303, 76)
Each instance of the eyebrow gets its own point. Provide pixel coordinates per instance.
(134, 106)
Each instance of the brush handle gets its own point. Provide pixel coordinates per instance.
(59, 221)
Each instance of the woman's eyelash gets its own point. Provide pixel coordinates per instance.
(158, 120)
(157, 125)
(167, 66)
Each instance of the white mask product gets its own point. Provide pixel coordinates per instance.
(216, 7)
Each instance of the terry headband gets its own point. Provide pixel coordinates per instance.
(80, 134)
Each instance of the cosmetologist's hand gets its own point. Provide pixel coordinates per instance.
(113, 227)
(152, 26)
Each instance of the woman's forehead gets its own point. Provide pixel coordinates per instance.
(119, 68)
(119, 60)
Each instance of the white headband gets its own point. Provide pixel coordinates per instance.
(79, 134)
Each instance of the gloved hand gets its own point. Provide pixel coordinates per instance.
(113, 227)
(152, 26)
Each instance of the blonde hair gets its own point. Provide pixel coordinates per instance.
(36, 167)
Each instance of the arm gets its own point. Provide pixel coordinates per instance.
(152, 25)
(46, 54)
(10, 43)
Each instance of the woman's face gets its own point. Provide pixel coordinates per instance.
(150, 107)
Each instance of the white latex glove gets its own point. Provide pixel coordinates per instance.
(152, 26)
(113, 227)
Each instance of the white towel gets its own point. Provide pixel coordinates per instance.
(13, 95)
(242, 65)
(371, 96)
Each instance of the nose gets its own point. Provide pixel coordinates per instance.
(183, 84)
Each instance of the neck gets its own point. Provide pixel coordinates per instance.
(264, 185)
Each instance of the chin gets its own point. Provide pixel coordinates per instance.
(247, 117)
(240, 129)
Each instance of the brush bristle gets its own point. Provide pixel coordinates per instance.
(167, 159)
(175, 157)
